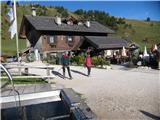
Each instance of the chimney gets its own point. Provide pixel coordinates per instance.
(33, 11)
(58, 20)
(70, 22)
(88, 24)
(80, 23)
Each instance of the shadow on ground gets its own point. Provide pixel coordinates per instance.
(75, 71)
(57, 74)
(154, 117)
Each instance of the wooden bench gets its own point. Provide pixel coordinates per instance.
(48, 68)
(26, 68)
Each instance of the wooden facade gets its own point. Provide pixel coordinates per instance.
(59, 42)
(44, 34)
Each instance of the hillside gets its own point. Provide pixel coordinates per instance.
(141, 32)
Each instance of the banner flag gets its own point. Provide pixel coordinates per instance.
(10, 15)
(12, 29)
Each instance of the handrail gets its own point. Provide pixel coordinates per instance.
(7, 72)
(11, 79)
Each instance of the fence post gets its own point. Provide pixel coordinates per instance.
(26, 71)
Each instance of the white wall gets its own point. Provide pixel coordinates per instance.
(39, 45)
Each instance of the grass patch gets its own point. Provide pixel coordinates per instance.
(141, 30)
(26, 80)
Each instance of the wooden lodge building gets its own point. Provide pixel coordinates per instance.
(56, 35)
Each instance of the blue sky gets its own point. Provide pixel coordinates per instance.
(128, 9)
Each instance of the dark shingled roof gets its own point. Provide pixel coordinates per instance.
(107, 42)
(44, 23)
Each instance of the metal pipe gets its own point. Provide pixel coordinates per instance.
(11, 79)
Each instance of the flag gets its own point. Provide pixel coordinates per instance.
(10, 3)
(13, 22)
(10, 15)
(12, 29)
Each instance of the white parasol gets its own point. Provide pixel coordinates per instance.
(123, 51)
(155, 47)
(145, 54)
(109, 53)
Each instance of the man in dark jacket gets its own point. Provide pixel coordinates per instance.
(65, 63)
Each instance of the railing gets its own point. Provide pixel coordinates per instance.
(12, 83)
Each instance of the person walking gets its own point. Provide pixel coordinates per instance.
(88, 63)
(65, 64)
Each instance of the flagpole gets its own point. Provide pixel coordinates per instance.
(15, 16)
(17, 44)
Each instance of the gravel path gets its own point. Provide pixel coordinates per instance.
(117, 93)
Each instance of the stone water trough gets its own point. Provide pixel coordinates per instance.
(62, 104)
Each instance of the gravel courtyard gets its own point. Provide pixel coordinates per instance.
(118, 93)
(114, 94)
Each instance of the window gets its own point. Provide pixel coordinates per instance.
(70, 39)
(51, 40)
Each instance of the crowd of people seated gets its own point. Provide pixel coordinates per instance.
(150, 59)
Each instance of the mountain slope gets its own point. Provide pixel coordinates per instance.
(142, 32)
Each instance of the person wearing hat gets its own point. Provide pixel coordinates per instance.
(65, 64)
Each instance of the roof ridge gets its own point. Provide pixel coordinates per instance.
(41, 23)
(55, 17)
